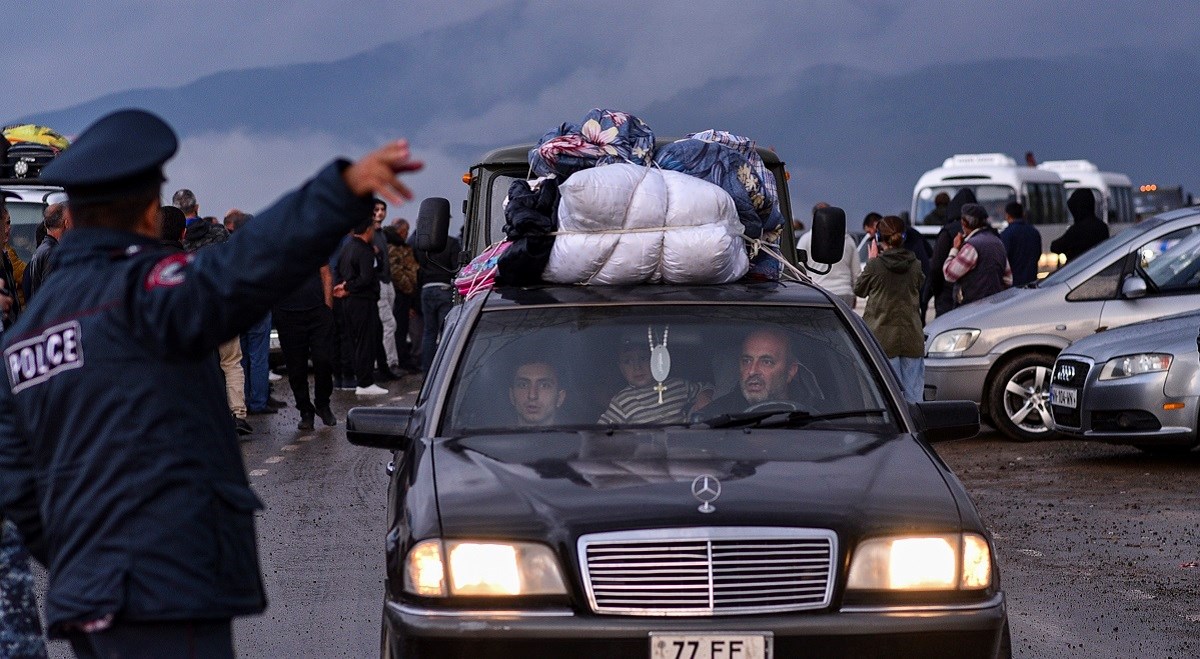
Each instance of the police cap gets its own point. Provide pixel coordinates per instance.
(121, 153)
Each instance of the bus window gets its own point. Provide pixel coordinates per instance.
(992, 197)
(1121, 210)
(1035, 203)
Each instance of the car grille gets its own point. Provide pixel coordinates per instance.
(708, 571)
(1069, 373)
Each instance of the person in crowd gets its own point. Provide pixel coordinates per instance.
(1086, 230)
(435, 272)
(140, 502)
(892, 282)
(12, 271)
(937, 216)
(404, 280)
(343, 347)
(173, 224)
(304, 320)
(915, 243)
(870, 222)
(388, 361)
(645, 400)
(935, 284)
(1022, 244)
(767, 368)
(840, 278)
(256, 346)
(198, 234)
(358, 288)
(57, 221)
(977, 265)
(536, 393)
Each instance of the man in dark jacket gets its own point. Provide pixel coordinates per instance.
(1086, 231)
(304, 320)
(1022, 244)
(935, 284)
(977, 265)
(57, 221)
(937, 217)
(358, 289)
(118, 459)
(435, 273)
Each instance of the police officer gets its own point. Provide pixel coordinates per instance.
(114, 428)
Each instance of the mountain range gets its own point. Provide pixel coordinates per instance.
(851, 137)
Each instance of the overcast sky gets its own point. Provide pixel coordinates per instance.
(68, 52)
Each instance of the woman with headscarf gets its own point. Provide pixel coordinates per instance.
(1086, 231)
(935, 287)
(891, 282)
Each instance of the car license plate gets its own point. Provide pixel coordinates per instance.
(710, 646)
(1063, 397)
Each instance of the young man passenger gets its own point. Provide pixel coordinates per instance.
(535, 393)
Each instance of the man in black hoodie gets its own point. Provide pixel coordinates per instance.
(358, 288)
(935, 285)
(1086, 231)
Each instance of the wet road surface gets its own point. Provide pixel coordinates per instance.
(1099, 546)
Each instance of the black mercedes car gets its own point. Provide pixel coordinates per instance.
(676, 473)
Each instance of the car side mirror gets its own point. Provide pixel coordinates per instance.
(945, 420)
(828, 235)
(433, 225)
(1133, 287)
(379, 427)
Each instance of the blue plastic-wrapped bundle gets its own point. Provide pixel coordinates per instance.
(602, 138)
(724, 166)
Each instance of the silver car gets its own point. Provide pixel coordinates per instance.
(1134, 385)
(999, 351)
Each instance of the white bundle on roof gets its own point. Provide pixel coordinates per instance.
(627, 224)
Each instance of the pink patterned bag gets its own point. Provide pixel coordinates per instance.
(480, 274)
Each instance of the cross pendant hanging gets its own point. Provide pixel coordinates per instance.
(660, 388)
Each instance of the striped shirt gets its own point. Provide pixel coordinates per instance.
(634, 405)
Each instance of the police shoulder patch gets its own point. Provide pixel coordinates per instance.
(37, 359)
(168, 272)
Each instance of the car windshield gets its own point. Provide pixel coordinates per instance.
(1101, 251)
(604, 367)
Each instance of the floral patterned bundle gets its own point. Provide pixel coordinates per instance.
(604, 137)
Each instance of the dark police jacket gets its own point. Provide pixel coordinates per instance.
(118, 455)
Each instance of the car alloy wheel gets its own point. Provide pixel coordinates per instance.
(1019, 401)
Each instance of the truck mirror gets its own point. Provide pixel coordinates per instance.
(433, 225)
(828, 235)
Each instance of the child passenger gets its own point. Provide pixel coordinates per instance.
(640, 401)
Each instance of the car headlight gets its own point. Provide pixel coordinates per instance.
(952, 343)
(1130, 365)
(482, 569)
(910, 563)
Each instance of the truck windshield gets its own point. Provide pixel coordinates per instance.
(581, 367)
(26, 216)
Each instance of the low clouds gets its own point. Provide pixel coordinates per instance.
(249, 172)
(68, 52)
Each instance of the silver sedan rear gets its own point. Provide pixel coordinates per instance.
(1137, 385)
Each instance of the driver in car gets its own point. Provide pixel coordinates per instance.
(767, 367)
(535, 393)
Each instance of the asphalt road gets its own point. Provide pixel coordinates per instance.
(1099, 546)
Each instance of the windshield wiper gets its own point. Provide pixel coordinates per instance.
(786, 419)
